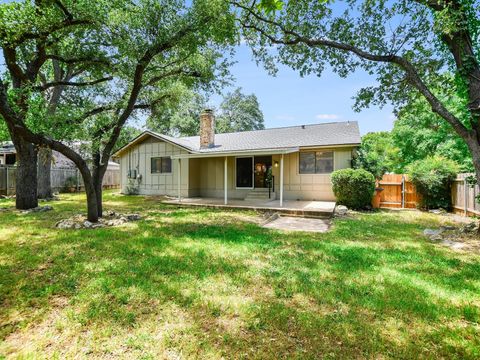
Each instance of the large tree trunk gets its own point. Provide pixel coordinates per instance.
(92, 208)
(26, 176)
(474, 147)
(99, 193)
(98, 173)
(44, 172)
(475, 150)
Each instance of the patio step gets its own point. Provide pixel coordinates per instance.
(260, 194)
(308, 209)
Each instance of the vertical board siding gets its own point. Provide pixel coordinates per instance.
(205, 176)
(309, 186)
(139, 157)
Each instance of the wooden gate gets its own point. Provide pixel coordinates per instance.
(397, 192)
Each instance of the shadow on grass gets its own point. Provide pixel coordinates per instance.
(314, 294)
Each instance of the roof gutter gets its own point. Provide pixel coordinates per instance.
(351, 145)
(236, 153)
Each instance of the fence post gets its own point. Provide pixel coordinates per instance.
(6, 182)
(403, 191)
(465, 200)
(474, 187)
(78, 182)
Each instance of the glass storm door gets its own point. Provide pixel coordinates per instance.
(244, 166)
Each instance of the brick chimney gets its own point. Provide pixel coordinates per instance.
(207, 129)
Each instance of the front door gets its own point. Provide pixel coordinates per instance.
(262, 164)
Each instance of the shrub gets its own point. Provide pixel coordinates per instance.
(433, 177)
(353, 188)
(70, 184)
(132, 187)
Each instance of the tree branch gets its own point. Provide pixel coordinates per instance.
(72, 83)
(180, 71)
(45, 34)
(18, 75)
(86, 60)
(65, 11)
(140, 68)
(291, 37)
(22, 130)
(142, 106)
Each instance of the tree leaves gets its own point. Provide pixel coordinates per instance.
(180, 115)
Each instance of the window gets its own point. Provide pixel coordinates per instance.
(316, 162)
(161, 165)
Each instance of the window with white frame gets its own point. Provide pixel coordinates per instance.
(161, 165)
(316, 162)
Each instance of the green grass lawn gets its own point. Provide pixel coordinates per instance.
(198, 283)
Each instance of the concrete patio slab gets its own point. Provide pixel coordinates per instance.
(288, 223)
(322, 209)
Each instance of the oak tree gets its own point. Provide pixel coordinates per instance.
(407, 45)
(130, 55)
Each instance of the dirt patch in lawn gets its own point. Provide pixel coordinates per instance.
(465, 237)
(289, 223)
(110, 218)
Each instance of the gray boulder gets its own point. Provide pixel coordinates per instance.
(448, 227)
(38, 209)
(87, 224)
(432, 232)
(341, 210)
(133, 217)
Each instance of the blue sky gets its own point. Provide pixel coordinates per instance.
(289, 99)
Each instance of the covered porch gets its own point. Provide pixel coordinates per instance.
(233, 178)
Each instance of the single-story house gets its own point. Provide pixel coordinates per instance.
(294, 162)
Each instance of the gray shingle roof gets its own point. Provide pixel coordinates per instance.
(326, 134)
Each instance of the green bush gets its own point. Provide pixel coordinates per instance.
(353, 188)
(433, 177)
(70, 184)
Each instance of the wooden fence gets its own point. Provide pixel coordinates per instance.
(399, 192)
(62, 179)
(464, 196)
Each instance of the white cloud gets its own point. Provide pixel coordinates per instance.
(327, 117)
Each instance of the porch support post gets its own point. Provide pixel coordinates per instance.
(225, 181)
(179, 165)
(281, 180)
